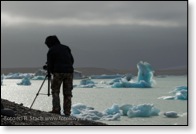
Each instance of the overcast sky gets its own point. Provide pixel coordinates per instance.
(106, 34)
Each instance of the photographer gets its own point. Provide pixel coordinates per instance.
(60, 64)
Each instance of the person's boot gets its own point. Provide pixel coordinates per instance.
(67, 105)
(55, 111)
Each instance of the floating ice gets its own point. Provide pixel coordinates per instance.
(87, 113)
(25, 81)
(17, 75)
(86, 83)
(41, 72)
(142, 110)
(104, 76)
(171, 114)
(180, 93)
(127, 77)
(38, 78)
(145, 78)
(114, 112)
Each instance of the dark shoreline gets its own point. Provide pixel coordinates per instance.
(32, 117)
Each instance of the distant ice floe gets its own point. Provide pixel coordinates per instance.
(104, 76)
(38, 78)
(18, 75)
(25, 81)
(180, 93)
(114, 112)
(144, 79)
(86, 83)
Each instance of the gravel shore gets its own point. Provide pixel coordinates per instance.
(30, 117)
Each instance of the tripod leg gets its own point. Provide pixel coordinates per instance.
(49, 80)
(38, 91)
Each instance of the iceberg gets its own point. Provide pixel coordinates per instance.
(180, 93)
(171, 114)
(86, 83)
(86, 113)
(145, 78)
(41, 72)
(142, 110)
(126, 77)
(25, 81)
(114, 112)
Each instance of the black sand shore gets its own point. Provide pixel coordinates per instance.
(31, 117)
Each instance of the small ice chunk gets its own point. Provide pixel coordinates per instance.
(143, 110)
(86, 83)
(25, 81)
(38, 78)
(171, 114)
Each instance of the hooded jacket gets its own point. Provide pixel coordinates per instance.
(59, 57)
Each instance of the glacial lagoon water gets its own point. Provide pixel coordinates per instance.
(103, 97)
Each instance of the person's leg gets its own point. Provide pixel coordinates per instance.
(55, 86)
(67, 93)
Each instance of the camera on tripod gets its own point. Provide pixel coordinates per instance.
(45, 67)
(48, 76)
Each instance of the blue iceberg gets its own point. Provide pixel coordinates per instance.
(114, 112)
(142, 110)
(145, 78)
(86, 83)
(86, 113)
(25, 81)
(126, 77)
(180, 93)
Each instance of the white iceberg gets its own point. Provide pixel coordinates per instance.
(142, 110)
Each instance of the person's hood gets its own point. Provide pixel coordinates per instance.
(51, 41)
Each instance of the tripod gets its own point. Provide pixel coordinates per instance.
(49, 79)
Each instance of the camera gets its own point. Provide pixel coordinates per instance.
(45, 67)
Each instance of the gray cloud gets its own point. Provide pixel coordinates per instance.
(100, 34)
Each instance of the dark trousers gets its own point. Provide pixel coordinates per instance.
(67, 80)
